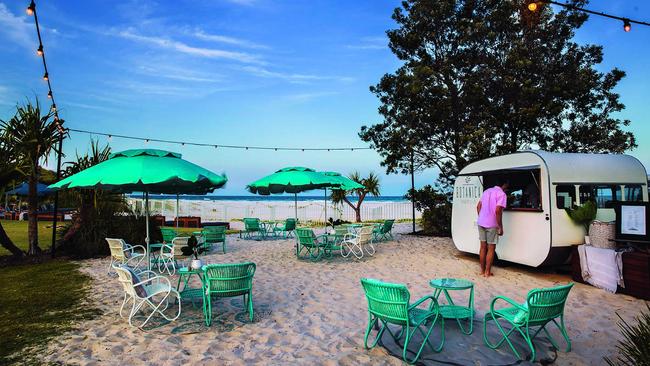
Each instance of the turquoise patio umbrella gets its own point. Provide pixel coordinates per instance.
(148, 171)
(291, 180)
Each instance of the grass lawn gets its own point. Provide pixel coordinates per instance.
(38, 302)
(17, 231)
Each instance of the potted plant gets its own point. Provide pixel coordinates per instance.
(193, 248)
(583, 215)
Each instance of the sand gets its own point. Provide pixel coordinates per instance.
(315, 313)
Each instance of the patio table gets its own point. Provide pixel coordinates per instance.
(268, 227)
(184, 287)
(451, 310)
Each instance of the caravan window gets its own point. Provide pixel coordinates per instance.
(634, 193)
(603, 195)
(524, 192)
(565, 195)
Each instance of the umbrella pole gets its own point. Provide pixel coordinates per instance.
(177, 212)
(295, 200)
(326, 209)
(146, 239)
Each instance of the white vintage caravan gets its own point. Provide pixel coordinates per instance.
(537, 229)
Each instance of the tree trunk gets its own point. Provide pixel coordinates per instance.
(6, 242)
(357, 212)
(32, 209)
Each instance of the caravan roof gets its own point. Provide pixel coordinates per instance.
(566, 167)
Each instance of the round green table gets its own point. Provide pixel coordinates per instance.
(185, 290)
(451, 310)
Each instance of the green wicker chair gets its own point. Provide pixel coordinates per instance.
(228, 280)
(388, 303)
(168, 234)
(287, 229)
(383, 231)
(316, 246)
(252, 229)
(542, 306)
(214, 235)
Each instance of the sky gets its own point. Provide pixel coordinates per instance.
(247, 72)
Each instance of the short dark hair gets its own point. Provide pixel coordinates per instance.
(502, 180)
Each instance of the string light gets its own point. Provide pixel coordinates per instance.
(533, 6)
(49, 94)
(31, 8)
(46, 76)
(39, 51)
(212, 145)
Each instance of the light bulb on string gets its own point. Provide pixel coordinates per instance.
(39, 51)
(49, 95)
(626, 25)
(31, 8)
(110, 138)
(532, 6)
(146, 141)
(46, 77)
(53, 107)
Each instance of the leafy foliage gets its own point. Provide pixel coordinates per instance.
(584, 214)
(32, 136)
(480, 78)
(371, 186)
(436, 210)
(634, 348)
(192, 248)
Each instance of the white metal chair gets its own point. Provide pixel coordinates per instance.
(123, 253)
(169, 253)
(153, 292)
(355, 243)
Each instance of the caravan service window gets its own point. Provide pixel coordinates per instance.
(524, 193)
(603, 195)
(565, 195)
(634, 193)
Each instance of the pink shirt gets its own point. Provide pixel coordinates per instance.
(491, 198)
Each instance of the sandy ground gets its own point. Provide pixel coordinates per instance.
(315, 313)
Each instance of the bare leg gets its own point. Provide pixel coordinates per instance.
(489, 260)
(482, 255)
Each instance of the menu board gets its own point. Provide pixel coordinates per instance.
(633, 220)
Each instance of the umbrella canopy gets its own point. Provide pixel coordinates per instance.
(145, 170)
(343, 182)
(23, 190)
(291, 180)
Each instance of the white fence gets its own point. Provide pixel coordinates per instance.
(210, 210)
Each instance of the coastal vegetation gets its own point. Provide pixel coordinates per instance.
(371, 186)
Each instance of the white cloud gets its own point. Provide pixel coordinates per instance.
(306, 97)
(370, 43)
(18, 28)
(242, 2)
(177, 73)
(190, 50)
(227, 40)
(292, 77)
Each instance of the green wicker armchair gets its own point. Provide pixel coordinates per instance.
(542, 306)
(388, 303)
(316, 246)
(383, 231)
(286, 229)
(168, 234)
(228, 280)
(214, 235)
(252, 229)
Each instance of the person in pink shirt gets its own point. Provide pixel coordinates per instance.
(490, 225)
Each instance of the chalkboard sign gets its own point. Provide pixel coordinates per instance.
(632, 221)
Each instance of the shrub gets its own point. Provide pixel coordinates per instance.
(583, 215)
(634, 348)
(436, 210)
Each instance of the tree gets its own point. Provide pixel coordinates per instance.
(11, 169)
(489, 77)
(32, 137)
(370, 186)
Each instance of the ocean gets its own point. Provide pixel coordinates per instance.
(265, 198)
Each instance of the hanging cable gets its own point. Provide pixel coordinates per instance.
(533, 5)
(213, 145)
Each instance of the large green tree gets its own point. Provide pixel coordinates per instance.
(11, 170)
(486, 77)
(32, 136)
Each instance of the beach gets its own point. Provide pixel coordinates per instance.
(316, 313)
